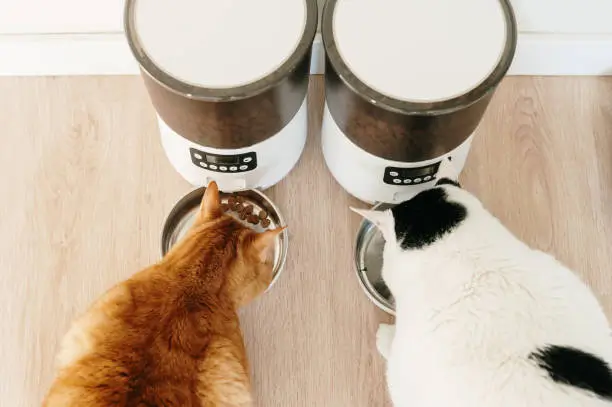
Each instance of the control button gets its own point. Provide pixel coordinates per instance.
(407, 181)
(417, 180)
(393, 174)
(244, 167)
(427, 178)
(397, 181)
(233, 168)
(197, 156)
(247, 159)
(213, 167)
(203, 164)
(223, 168)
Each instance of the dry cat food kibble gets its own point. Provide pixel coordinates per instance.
(253, 219)
(246, 211)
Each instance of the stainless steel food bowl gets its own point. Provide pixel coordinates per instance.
(182, 216)
(369, 247)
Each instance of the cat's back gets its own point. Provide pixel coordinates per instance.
(144, 343)
(479, 308)
(525, 293)
(503, 386)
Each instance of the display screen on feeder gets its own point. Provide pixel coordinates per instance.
(216, 159)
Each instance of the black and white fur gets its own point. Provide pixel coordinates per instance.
(481, 318)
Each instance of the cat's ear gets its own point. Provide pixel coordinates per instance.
(383, 220)
(263, 243)
(447, 173)
(210, 207)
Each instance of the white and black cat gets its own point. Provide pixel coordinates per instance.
(481, 318)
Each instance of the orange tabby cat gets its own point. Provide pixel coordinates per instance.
(169, 336)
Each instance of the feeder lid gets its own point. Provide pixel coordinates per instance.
(217, 44)
(422, 51)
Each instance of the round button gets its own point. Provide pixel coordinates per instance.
(407, 181)
(397, 181)
(244, 167)
(427, 178)
(203, 164)
(393, 174)
(417, 180)
(197, 156)
(223, 168)
(247, 160)
(213, 167)
(233, 168)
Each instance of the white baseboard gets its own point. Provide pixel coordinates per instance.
(563, 55)
(108, 54)
(68, 54)
(84, 54)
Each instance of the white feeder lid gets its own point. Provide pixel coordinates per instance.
(420, 50)
(219, 44)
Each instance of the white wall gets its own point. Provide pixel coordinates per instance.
(564, 16)
(558, 37)
(92, 16)
(60, 16)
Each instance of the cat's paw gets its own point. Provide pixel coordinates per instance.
(384, 339)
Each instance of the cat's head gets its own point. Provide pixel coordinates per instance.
(230, 257)
(426, 218)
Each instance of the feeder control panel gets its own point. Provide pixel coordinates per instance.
(410, 176)
(224, 163)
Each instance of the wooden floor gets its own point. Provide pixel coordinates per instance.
(85, 188)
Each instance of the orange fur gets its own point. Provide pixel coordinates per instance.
(169, 336)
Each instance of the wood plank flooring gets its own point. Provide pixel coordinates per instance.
(86, 186)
